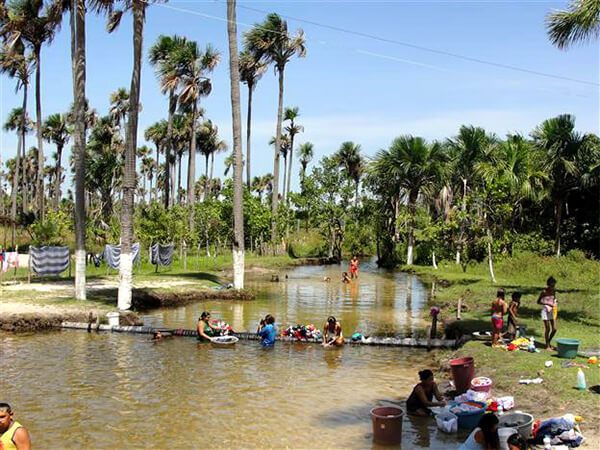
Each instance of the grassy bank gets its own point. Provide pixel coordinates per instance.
(579, 317)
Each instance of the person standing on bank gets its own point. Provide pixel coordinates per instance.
(13, 435)
(549, 304)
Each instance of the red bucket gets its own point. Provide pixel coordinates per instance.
(387, 424)
(463, 370)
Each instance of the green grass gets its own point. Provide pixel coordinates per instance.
(579, 317)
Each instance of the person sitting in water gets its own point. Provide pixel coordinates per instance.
(485, 436)
(206, 330)
(421, 398)
(13, 435)
(354, 267)
(332, 333)
(345, 278)
(267, 331)
(499, 308)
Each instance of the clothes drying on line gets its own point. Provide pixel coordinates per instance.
(9, 260)
(112, 254)
(49, 261)
(162, 255)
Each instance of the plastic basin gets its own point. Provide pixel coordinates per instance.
(523, 422)
(481, 384)
(387, 424)
(469, 420)
(463, 370)
(567, 348)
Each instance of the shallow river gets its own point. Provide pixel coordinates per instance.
(80, 390)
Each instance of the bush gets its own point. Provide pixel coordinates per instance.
(54, 229)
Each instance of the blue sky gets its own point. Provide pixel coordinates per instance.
(351, 87)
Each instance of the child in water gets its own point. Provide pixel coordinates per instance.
(345, 278)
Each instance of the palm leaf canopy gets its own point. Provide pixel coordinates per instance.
(579, 23)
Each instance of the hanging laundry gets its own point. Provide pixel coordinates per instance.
(112, 254)
(49, 261)
(10, 259)
(162, 254)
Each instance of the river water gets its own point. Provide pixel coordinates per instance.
(78, 390)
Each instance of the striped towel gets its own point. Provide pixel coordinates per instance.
(47, 261)
(112, 254)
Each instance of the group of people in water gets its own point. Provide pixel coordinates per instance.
(547, 300)
(426, 395)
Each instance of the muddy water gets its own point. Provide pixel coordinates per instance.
(80, 390)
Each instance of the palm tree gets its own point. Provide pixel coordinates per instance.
(57, 132)
(349, 157)
(157, 134)
(164, 56)
(564, 150)
(236, 116)
(251, 70)
(292, 130)
(138, 8)
(415, 167)
(119, 105)
(142, 153)
(284, 150)
(195, 84)
(305, 156)
(271, 42)
(16, 123)
(467, 149)
(208, 143)
(579, 23)
(30, 21)
(148, 169)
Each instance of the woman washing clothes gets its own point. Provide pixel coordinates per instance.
(332, 333)
(485, 436)
(549, 304)
(206, 330)
(421, 398)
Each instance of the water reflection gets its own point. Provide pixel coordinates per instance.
(379, 302)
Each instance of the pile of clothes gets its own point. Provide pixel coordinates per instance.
(562, 430)
(224, 328)
(303, 332)
(522, 343)
(493, 403)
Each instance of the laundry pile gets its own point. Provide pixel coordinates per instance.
(302, 332)
(522, 343)
(224, 328)
(561, 430)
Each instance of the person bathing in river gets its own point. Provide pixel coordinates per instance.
(206, 330)
(13, 435)
(499, 308)
(549, 304)
(354, 267)
(421, 398)
(332, 333)
(345, 278)
(267, 331)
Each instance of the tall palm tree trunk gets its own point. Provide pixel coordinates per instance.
(169, 147)
(173, 184)
(57, 176)
(206, 180)
(212, 165)
(275, 196)
(129, 180)
(238, 214)
(558, 219)
(78, 70)
(289, 169)
(38, 126)
(179, 199)
(192, 161)
(411, 230)
(248, 134)
(284, 188)
(462, 225)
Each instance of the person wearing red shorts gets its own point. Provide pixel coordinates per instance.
(354, 267)
(499, 308)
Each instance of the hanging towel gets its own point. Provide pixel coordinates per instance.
(162, 254)
(47, 261)
(11, 259)
(112, 254)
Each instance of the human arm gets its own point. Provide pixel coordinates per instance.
(21, 439)
(423, 398)
(201, 332)
(325, 334)
(513, 309)
(438, 395)
(338, 330)
(504, 308)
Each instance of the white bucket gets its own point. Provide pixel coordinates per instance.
(447, 422)
(503, 435)
(113, 319)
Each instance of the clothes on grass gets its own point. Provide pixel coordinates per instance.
(112, 254)
(49, 261)
(162, 254)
